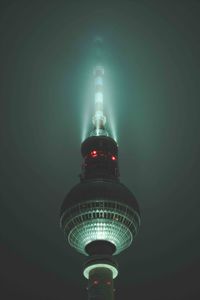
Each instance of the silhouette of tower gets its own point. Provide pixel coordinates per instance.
(100, 216)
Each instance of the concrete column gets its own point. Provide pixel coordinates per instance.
(100, 284)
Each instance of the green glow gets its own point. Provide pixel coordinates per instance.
(87, 270)
(101, 220)
(88, 104)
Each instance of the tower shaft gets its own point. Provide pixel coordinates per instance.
(100, 154)
(100, 284)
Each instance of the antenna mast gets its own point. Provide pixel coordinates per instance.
(99, 118)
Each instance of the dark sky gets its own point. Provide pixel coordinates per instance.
(45, 57)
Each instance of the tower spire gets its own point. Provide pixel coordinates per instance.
(99, 118)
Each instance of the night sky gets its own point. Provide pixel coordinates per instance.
(152, 57)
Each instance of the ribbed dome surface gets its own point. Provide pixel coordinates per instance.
(100, 210)
(99, 189)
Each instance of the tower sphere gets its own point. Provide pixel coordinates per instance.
(100, 210)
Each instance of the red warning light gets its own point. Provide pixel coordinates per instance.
(108, 282)
(95, 282)
(113, 157)
(94, 153)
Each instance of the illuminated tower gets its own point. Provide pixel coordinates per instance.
(100, 216)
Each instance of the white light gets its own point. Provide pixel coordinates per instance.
(98, 97)
(100, 229)
(98, 113)
(87, 270)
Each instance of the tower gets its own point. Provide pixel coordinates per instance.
(100, 216)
